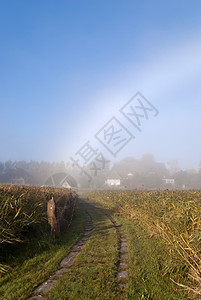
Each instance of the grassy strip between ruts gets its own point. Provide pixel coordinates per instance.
(93, 275)
(36, 263)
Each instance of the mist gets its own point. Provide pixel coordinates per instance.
(127, 173)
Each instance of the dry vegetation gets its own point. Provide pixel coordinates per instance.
(23, 212)
(174, 216)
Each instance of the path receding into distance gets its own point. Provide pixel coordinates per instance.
(68, 261)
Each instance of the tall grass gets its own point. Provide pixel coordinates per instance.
(174, 216)
(23, 213)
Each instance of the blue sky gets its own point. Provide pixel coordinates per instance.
(67, 67)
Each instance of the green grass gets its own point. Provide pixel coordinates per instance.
(38, 261)
(151, 267)
(172, 217)
(93, 275)
(147, 265)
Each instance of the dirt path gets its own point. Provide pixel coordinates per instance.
(66, 262)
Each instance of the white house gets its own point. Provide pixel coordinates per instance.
(113, 179)
(168, 181)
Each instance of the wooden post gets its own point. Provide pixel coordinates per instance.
(52, 217)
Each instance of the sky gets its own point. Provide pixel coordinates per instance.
(68, 67)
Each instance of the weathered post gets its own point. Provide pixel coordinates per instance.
(52, 217)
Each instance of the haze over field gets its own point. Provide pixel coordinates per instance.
(67, 68)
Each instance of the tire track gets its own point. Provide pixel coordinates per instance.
(66, 262)
(122, 272)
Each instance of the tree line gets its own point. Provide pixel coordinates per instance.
(145, 172)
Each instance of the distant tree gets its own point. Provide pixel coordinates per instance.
(8, 165)
(21, 164)
(199, 169)
(173, 166)
(148, 158)
(182, 178)
(1, 167)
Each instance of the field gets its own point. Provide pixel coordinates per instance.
(171, 217)
(23, 215)
(162, 229)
